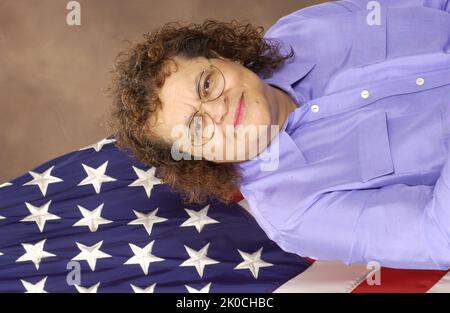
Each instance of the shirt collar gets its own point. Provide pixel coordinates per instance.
(290, 73)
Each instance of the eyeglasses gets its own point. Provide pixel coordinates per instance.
(210, 87)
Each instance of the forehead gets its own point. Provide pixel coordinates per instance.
(181, 75)
(179, 91)
(178, 94)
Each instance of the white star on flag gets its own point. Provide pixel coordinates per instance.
(34, 253)
(96, 176)
(92, 219)
(146, 179)
(198, 259)
(5, 184)
(90, 254)
(42, 180)
(149, 289)
(205, 289)
(99, 145)
(252, 262)
(39, 215)
(143, 256)
(147, 220)
(34, 288)
(198, 218)
(92, 289)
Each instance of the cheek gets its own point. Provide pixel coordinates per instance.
(257, 110)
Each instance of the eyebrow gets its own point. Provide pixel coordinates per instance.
(196, 82)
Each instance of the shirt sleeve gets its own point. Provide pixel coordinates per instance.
(399, 226)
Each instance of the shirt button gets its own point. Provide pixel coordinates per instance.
(365, 94)
(315, 108)
(420, 81)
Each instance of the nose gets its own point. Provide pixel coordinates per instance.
(217, 108)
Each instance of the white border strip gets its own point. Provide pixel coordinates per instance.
(442, 286)
(326, 276)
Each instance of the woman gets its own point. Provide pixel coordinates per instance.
(352, 143)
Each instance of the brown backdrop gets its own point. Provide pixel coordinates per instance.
(52, 75)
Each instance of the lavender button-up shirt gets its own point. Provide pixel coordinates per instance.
(362, 165)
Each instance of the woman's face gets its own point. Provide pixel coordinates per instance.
(239, 132)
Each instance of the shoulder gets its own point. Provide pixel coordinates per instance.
(320, 34)
(325, 22)
(343, 8)
(322, 11)
(327, 9)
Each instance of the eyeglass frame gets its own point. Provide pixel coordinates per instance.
(202, 101)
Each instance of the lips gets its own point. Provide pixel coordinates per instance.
(239, 114)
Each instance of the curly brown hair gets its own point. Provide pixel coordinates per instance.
(138, 76)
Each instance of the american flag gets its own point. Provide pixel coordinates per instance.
(97, 220)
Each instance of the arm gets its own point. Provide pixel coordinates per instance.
(398, 225)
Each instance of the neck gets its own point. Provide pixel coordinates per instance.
(286, 105)
(281, 105)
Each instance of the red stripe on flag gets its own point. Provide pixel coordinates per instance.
(309, 260)
(237, 197)
(397, 280)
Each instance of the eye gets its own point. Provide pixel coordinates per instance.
(211, 84)
(206, 85)
(197, 126)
